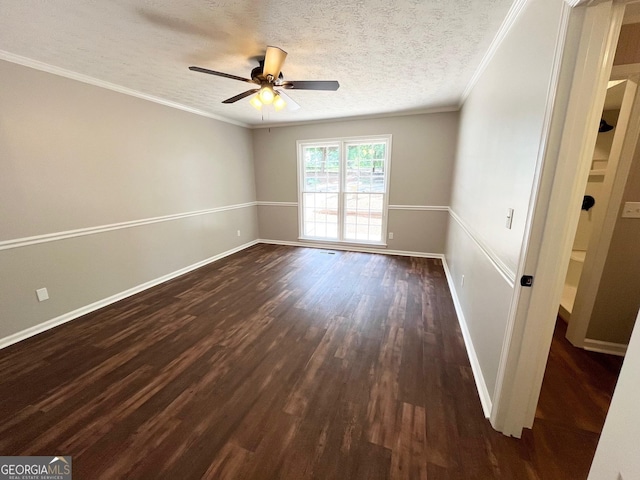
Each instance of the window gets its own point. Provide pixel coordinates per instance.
(343, 187)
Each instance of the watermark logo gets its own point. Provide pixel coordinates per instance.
(35, 468)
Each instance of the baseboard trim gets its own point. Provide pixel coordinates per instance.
(481, 385)
(619, 349)
(352, 248)
(67, 317)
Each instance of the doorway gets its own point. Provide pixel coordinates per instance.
(556, 213)
(599, 300)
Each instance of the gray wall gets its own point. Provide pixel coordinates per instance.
(423, 151)
(76, 156)
(618, 298)
(500, 131)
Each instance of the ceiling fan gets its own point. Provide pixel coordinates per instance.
(270, 82)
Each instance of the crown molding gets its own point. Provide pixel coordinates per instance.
(507, 24)
(62, 72)
(452, 108)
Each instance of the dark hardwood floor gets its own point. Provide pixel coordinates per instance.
(574, 400)
(285, 363)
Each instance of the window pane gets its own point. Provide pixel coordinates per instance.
(363, 217)
(320, 215)
(321, 169)
(365, 167)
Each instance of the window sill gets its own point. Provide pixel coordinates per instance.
(325, 241)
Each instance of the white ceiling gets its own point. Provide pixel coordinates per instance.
(389, 56)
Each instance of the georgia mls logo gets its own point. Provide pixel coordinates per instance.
(35, 468)
(63, 462)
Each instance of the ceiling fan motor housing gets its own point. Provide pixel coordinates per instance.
(256, 74)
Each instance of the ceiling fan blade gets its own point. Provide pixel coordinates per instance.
(311, 84)
(291, 103)
(273, 61)
(220, 74)
(240, 96)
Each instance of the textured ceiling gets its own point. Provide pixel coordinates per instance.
(389, 56)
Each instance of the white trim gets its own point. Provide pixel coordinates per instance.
(424, 111)
(507, 24)
(62, 72)
(623, 72)
(80, 232)
(481, 385)
(576, 3)
(506, 273)
(277, 204)
(619, 349)
(351, 248)
(67, 317)
(425, 208)
(347, 243)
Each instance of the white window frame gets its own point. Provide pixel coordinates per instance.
(343, 142)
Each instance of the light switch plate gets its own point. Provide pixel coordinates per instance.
(42, 294)
(509, 218)
(631, 210)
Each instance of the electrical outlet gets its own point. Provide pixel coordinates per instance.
(42, 294)
(238, 232)
(631, 210)
(390, 235)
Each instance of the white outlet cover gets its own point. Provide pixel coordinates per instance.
(42, 294)
(631, 210)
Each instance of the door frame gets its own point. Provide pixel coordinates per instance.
(566, 148)
(604, 220)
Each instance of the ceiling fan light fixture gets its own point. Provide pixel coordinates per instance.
(266, 77)
(255, 102)
(279, 103)
(267, 95)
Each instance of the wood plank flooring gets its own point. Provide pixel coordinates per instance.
(574, 400)
(274, 363)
